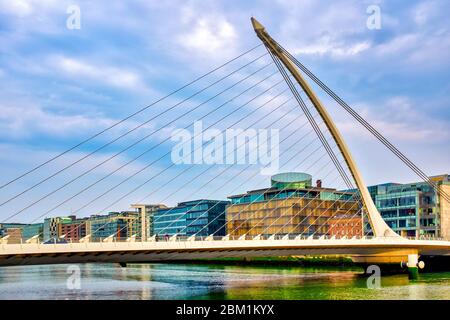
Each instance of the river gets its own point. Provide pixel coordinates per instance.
(189, 281)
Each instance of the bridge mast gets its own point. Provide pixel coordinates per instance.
(379, 226)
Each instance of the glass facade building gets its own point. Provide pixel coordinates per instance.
(199, 217)
(145, 222)
(51, 227)
(31, 230)
(291, 207)
(414, 209)
(119, 225)
(291, 180)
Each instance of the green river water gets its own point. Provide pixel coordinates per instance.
(203, 281)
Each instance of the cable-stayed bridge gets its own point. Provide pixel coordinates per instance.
(275, 89)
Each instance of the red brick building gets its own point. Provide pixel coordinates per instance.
(345, 225)
(72, 231)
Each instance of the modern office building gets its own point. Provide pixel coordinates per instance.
(31, 230)
(5, 226)
(119, 225)
(14, 235)
(345, 225)
(414, 209)
(146, 213)
(11, 232)
(199, 217)
(72, 229)
(51, 227)
(21, 230)
(290, 206)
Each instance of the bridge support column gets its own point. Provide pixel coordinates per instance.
(413, 266)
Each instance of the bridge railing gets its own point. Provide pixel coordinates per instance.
(183, 238)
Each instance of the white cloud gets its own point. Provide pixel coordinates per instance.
(208, 35)
(398, 119)
(113, 76)
(336, 29)
(20, 120)
(418, 50)
(29, 158)
(416, 35)
(20, 8)
(398, 44)
(336, 50)
(23, 8)
(31, 17)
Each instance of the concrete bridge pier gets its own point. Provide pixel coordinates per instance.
(393, 260)
(414, 265)
(413, 269)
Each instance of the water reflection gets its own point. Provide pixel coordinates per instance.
(188, 281)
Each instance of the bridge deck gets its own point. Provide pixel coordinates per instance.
(375, 250)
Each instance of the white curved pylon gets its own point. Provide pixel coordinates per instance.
(379, 226)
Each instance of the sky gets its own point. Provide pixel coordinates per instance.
(60, 85)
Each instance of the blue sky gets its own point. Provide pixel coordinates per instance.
(58, 86)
